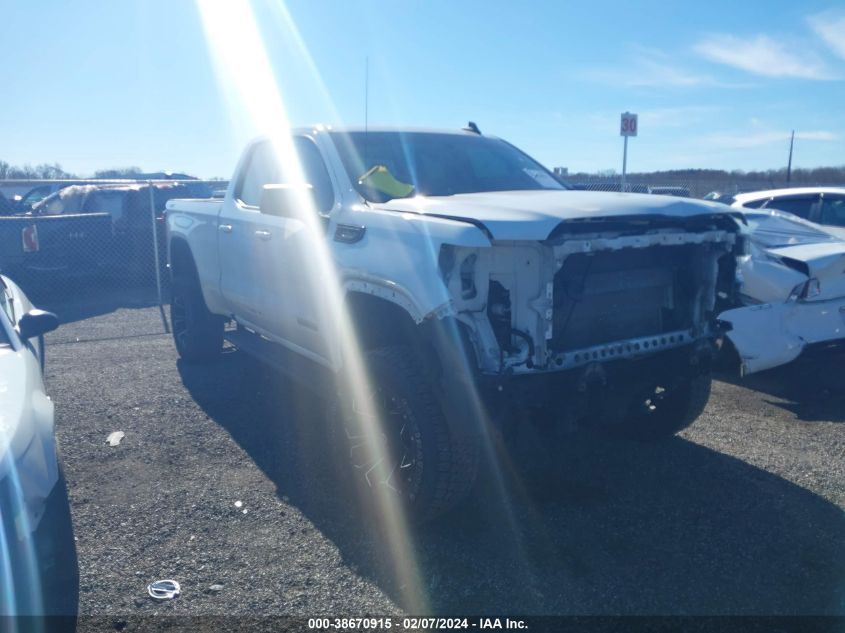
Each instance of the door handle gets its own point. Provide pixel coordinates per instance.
(262, 234)
(226, 228)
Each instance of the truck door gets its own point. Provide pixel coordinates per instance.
(294, 306)
(241, 280)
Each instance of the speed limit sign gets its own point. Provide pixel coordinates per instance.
(628, 125)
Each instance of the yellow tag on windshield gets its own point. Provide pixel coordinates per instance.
(380, 178)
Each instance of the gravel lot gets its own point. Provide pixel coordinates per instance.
(740, 515)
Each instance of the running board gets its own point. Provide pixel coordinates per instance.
(296, 367)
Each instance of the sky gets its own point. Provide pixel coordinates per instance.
(94, 85)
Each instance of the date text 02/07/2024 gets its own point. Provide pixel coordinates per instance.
(412, 623)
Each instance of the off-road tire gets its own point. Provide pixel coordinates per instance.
(197, 333)
(445, 463)
(659, 416)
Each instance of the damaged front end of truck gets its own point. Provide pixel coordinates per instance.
(606, 318)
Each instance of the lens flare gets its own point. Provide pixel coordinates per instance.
(19, 572)
(246, 74)
(246, 77)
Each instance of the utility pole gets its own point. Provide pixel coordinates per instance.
(366, 106)
(789, 164)
(624, 186)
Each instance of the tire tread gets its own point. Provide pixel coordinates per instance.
(457, 456)
(205, 342)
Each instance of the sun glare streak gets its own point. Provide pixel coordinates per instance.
(498, 460)
(7, 606)
(21, 583)
(286, 23)
(246, 74)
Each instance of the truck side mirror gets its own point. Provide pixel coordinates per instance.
(283, 200)
(37, 323)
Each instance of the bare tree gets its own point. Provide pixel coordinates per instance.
(39, 172)
(118, 172)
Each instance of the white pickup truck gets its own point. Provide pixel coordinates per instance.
(436, 281)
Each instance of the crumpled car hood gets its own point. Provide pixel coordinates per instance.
(533, 215)
(825, 262)
(817, 257)
(788, 250)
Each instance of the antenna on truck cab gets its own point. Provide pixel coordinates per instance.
(366, 105)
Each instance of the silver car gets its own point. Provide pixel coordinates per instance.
(38, 572)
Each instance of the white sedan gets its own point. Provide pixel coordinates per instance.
(37, 554)
(792, 290)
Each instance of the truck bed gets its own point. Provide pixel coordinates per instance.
(203, 206)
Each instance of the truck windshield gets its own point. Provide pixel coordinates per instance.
(387, 165)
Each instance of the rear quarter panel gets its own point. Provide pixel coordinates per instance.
(195, 222)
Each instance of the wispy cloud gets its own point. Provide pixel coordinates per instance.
(681, 116)
(761, 55)
(650, 68)
(740, 140)
(830, 27)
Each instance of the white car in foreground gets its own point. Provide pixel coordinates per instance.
(793, 291)
(37, 553)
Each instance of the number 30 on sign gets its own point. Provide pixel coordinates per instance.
(628, 125)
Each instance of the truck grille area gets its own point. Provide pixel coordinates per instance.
(609, 296)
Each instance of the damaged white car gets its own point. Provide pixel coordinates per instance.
(792, 289)
(822, 205)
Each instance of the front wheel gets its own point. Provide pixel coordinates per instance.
(393, 437)
(662, 411)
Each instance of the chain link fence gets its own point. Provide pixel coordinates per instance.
(90, 248)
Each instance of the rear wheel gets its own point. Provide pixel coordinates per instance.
(660, 412)
(396, 442)
(198, 333)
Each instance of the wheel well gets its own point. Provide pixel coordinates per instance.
(440, 345)
(181, 259)
(378, 322)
